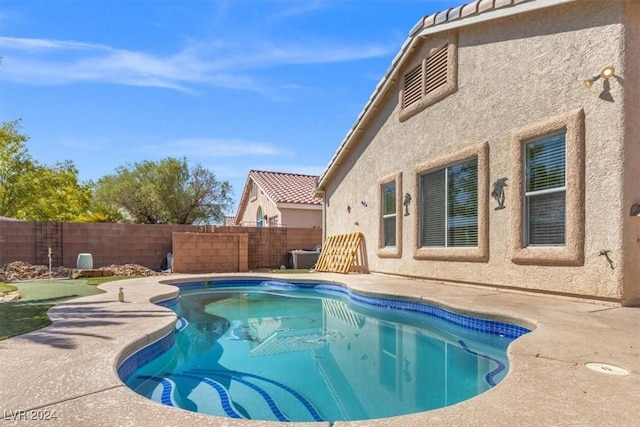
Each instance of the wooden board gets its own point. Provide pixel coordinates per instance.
(338, 253)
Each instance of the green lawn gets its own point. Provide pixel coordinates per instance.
(30, 312)
(7, 288)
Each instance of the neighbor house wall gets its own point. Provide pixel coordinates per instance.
(514, 74)
(261, 200)
(303, 217)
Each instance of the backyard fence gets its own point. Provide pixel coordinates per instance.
(142, 244)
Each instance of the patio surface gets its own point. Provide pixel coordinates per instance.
(69, 368)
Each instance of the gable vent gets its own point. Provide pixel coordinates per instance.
(412, 92)
(436, 69)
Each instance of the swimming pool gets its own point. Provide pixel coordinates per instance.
(282, 351)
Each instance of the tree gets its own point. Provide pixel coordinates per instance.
(14, 163)
(165, 192)
(35, 192)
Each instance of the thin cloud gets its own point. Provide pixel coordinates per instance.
(215, 63)
(215, 148)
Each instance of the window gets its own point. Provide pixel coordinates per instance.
(259, 217)
(547, 208)
(253, 192)
(545, 204)
(431, 80)
(452, 206)
(449, 206)
(389, 214)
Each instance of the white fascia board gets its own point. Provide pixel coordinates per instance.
(299, 206)
(491, 15)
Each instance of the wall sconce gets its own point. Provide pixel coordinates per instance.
(635, 209)
(605, 73)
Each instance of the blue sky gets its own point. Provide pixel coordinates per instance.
(233, 85)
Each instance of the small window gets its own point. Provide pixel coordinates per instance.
(449, 206)
(389, 214)
(253, 191)
(259, 217)
(545, 192)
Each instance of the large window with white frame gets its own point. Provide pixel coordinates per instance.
(448, 211)
(545, 191)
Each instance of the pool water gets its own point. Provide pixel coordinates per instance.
(277, 351)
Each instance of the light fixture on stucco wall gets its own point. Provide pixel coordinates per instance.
(635, 210)
(605, 74)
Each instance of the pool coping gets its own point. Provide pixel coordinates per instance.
(70, 367)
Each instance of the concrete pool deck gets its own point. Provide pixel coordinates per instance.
(69, 368)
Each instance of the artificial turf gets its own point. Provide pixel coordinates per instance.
(30, 312)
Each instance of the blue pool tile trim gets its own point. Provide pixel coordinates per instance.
(236, 374)
(491, 327)
(225, 399)
(168, 303)
(167, 389)
(490, 377)
(145, 355)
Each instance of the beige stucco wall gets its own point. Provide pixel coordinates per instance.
(514, 73)
(302, 217)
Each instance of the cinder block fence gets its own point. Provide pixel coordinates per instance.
(217, 249)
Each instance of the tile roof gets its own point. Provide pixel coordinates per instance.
(462, 11)
(229, 221)
(284, 187)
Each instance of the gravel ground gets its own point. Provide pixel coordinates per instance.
(20, 271)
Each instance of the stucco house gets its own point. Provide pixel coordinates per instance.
(502, 148)
(279, 199)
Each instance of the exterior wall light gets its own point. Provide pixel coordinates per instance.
(605, 73)
(635, 210)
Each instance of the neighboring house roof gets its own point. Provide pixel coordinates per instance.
(287, 187)
(463, 15)
(229, 221)
(281, 188)
(6, 218)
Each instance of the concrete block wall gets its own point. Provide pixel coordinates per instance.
(210, 252)
(17, 242)
(142, 244)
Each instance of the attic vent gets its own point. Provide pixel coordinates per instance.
(436, 69)
(412, 86)
(433, 79)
